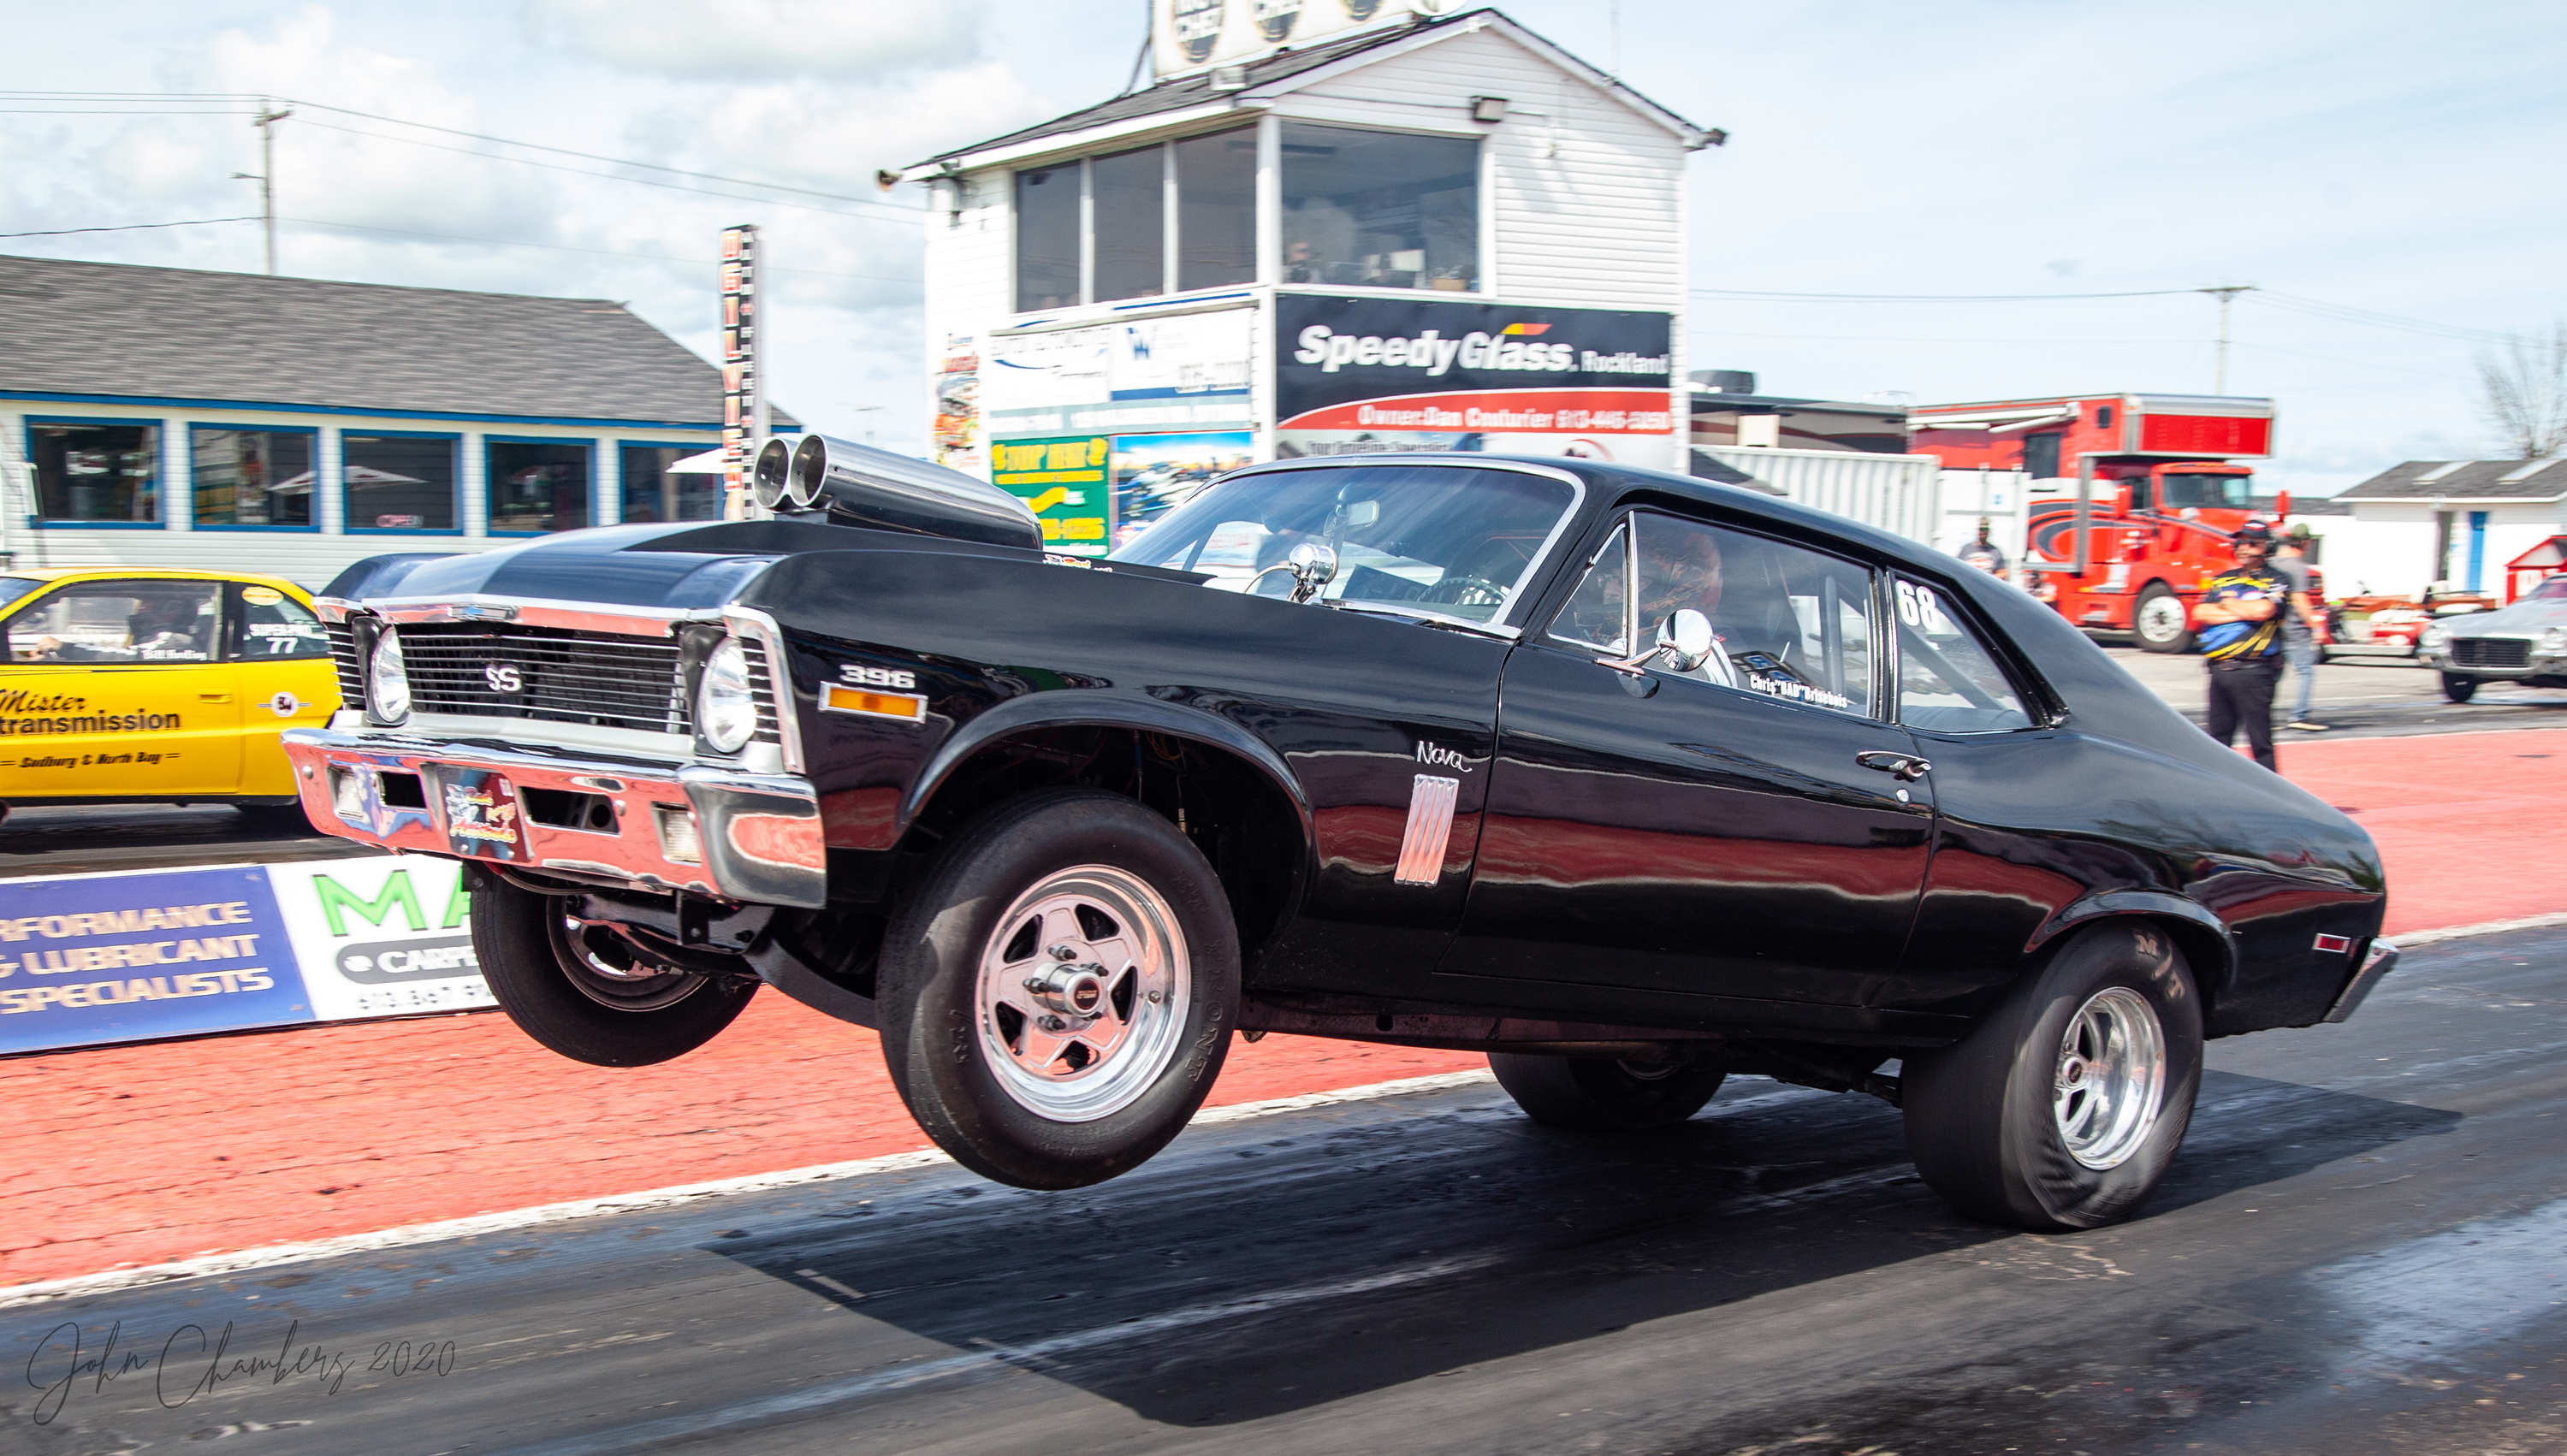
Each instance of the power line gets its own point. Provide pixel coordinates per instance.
(510, 242)
(578, 171)
(127, 228)
(204, 98)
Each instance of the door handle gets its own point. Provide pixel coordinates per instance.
(1907, 767)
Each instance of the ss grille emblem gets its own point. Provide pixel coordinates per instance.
(502, 677)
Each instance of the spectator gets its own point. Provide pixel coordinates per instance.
(2303, 628)
(2237, 624)
(1983, 553)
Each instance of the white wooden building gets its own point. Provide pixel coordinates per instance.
(1416, 233)
(167, 417)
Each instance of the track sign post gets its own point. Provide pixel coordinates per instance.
(743, 368)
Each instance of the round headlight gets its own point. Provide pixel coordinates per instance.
(726, 711)
(2435, 638)
(387, 683)
(2553, 642)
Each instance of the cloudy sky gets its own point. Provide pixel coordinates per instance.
(2386, 174)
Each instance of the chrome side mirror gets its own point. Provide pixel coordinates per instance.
(1685, 640)
(1313, 566)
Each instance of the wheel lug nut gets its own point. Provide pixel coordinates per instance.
(1156, 997)
(1064, 953)
(1055, 1023)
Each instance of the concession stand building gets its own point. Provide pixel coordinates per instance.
(167, 417)
(1327, 228)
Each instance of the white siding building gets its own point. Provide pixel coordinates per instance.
(1438, 234)
(2450, 525)
(165, 416)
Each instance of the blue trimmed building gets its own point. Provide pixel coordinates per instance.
(309, 423)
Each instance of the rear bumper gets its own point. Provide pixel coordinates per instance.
(757, 835)
(2376, 962)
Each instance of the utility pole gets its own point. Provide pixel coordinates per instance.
(2227, 293)
(265, 122)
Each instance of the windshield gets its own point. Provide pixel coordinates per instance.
(2231, 492)
(1453, 540)
(2552, 589)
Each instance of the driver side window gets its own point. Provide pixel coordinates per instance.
(1790, 623)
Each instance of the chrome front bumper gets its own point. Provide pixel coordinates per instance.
(757, 836)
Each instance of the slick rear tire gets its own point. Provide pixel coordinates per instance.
(2159, 620)
(2063, 1108)
(581, 995)
(2459, 688)
(1593, 1093)
(1058, 990)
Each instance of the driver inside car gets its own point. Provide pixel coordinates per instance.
(1680, 569)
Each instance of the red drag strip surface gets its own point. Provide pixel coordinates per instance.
(142, 1154)
(2469, 824)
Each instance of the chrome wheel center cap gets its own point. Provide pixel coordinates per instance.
(1071, 990)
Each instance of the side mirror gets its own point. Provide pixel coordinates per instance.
(1313, 566)
(1685, 640)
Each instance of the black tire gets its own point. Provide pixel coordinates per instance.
(1001, 1103)
(276, 818)
(2149, 621)
(2459, 688)
(1980, 1118)
(532, 961)
(1595, 1093)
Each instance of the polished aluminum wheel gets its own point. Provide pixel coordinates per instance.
(2110, 1077)
(1083, 994)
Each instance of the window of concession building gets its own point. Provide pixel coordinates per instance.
(100, 473)
(1380, 209)
(399, 480)
(252, 477)
(538, 485)
(1155, 219)
(654, 492)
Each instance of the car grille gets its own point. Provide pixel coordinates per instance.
(343, 655)
(2491, 652)
(761, 682)
(595, 678)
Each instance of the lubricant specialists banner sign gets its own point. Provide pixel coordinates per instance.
(87, 959)
(1360, 374)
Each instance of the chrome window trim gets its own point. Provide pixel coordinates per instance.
(1516, 597)
(750, 622)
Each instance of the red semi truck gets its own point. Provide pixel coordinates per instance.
(2153, 477)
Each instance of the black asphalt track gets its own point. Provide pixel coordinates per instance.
(2363, 1249)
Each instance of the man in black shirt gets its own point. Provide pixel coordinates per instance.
(2239, 623)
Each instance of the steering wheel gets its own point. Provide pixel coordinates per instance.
(1465, 591)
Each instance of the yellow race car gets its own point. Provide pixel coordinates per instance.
(139, 686)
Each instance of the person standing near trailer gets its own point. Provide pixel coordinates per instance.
(2239, 623)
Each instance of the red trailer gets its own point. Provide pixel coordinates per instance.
(2153, 478)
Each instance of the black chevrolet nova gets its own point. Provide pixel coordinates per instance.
(1629, 779)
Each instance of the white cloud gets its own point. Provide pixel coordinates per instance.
(755, 38)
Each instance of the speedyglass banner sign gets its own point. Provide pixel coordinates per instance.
(1360, 374)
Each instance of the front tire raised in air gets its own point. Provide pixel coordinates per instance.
(586, 993)
(1058, 992)
(2063, 1108)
